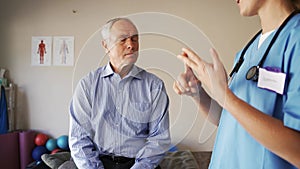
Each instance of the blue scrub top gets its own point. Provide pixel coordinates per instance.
(234, 147)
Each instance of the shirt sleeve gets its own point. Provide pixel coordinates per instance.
(158, 141)
(83, 150)
(291, 99)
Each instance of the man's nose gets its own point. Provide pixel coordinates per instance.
(129, 43)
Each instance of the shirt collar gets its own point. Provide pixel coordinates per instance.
(107, 70)
(134, 72)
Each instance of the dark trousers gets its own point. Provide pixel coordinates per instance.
(110, 162)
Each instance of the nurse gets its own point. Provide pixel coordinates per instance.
(258, 110)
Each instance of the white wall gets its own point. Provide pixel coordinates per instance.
(44, 92)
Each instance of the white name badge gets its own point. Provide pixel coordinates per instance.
(271, 80)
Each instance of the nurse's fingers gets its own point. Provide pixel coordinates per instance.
(190, 63)
(195, 86)
(182, 80)
(178, 88)
(187, 68)
(192, 55)
(217, 63)
(194, 62)
(194, 82)
(216, 59)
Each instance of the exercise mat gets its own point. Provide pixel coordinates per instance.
(9, 150)
(26, 144)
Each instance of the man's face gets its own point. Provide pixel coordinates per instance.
(123, 44)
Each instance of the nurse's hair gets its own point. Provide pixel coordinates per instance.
(296, 3)
(105, 31)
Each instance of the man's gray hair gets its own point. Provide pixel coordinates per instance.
(105, 31)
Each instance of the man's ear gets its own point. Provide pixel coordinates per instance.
(104, 45)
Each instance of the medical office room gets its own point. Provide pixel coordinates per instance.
(48, 46)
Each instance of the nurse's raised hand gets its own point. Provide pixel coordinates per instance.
(212, 75)
(187, 83)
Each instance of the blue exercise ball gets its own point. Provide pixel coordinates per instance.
(51, 144)
(173, 148)
(38, 151)
(62, 142)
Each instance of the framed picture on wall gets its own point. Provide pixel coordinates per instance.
(41, 49)
(63, 50)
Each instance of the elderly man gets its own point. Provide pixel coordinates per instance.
(119, 114)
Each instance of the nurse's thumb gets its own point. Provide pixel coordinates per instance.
(215, 57)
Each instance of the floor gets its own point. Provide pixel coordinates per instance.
(203, 159)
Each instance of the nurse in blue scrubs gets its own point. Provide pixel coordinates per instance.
(256, 108)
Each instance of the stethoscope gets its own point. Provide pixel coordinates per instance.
(253, 72)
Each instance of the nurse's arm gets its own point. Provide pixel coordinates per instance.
(268, 131)
(192, 87)
(209, 107)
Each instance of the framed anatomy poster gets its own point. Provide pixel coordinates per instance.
(63, 50)
(41, 49)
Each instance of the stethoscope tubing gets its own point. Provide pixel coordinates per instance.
(252, 73)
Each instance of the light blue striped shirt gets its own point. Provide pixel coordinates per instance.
(123, 117)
